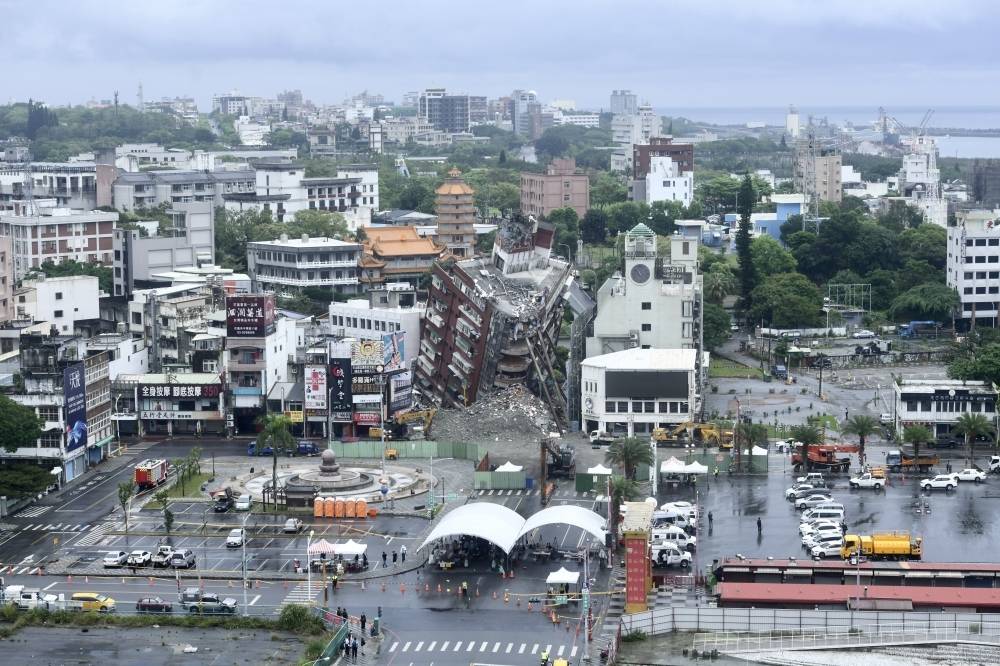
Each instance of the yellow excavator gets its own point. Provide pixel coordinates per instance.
(705, 434)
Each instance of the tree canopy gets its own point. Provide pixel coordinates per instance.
(787, 300)
(21, 426)
(234, 229)
(769, 258)
(716, 325)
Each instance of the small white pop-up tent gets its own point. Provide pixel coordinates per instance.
(599, 469)
(563, 577)
(695, 468)
(350, 548)
(672, 466)
(758, 451)
(509, 467)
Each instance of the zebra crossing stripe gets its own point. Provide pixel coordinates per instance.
(430, 648)
(572, 653)
(534, 648)
(510, 646)
(496, 647)
(419, 645)
(523, 645)
(393, 648)
(458, 646)
(407, 646)
(444, 648)
(562, 648)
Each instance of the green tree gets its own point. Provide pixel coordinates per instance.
(168, 519)
(319, 224)
(605, 189)
(972, 426)
(125, 492)
(567, 226)
(276, 433)
(629, 453)
(916, 436)
(718, 192)
(900, 216)
(928, 243)
(748, 277)
(162, 496)
(716, 325)
(21, 427)
(863, 427)
(622, 490)
(719, 282)
(71, 267)
(787, 300)
(926, 302)
(769, 258)
(594, 226)
(977, 362)
(809, 436)
(182, 468)
(793, 224)
(23, 480)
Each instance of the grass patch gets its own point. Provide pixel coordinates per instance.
(191, 486)
(724, 368)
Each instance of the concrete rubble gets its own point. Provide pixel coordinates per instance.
(512, 415)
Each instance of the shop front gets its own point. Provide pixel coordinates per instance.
(187, 405)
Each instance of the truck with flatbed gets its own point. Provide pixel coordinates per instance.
(868, 480)
(903, 460)
(886, 546)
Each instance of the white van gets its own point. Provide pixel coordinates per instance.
(670, 518)
(821, 513)
(690, 511)
(674, 535)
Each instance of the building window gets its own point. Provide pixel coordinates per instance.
(137, 318)
(57, 313)
(58, 295)
(609, 406)
(647, 306)
(647, 327)
(623, 406)
(664, 407)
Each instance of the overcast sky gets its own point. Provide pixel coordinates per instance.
(676, 53)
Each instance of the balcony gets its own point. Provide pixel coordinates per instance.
(328, 263)
(244, 365)
(246, 390)
(426, 365)
(471, 315)
(458, 372)
(316, 282)
(427, 348)
(466, 366)
(436, 320)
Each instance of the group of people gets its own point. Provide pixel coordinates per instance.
(395, 557)
(351, 643)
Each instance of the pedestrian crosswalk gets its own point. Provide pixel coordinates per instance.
(481, 646)
(533, 492)
(96, 535)
(32, 512)
(19, 569)
(55, 527)
(300, 594)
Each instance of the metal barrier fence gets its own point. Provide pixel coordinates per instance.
(404, 449)
(667, 620)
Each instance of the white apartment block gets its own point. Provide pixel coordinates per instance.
(149, 189)
(42, 232)
(359, 318)
(141, 155)
(251, 133)
(974, 264)
(61, 301)
(630, 129)
(578, 118)
(285, 263)
(664, 182)
(6, 280)
(70, 184)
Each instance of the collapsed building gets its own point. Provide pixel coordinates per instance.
(494, 322)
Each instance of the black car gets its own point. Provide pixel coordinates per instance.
(821, 362)
(153, 605)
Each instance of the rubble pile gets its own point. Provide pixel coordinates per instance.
(513, 414)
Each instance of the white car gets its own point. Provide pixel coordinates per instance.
(868, 481)
(825, 527)
(828, 549)
(813, 500)
(946, 481)
(821, 538)
(139, 558)
(243, 502)
(815, 479)
(970, 474)
(665, 555)
(115, 558)
(863, 334)
(235, 538)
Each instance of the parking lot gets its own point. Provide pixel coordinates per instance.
(268, 548)
(958, 525)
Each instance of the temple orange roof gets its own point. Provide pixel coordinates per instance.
(398, 241)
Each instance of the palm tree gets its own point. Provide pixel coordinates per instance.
(276, 433)
(746, 436)
(863, 427)
(719, 283)
(630, 453)
(915, 435)
(622, 490)
(807, 435)
(972, 426)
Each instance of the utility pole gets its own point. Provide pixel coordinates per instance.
(821, 357)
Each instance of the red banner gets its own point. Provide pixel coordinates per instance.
(636, 567)
(368, 418)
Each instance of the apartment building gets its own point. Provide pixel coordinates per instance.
(80, 185)
(624, 102)
(682, 154)
(61, 301)
(817, 171)
(629, 129)
(396, 254)
(287, 263)
(403, 130)
(448, 113)
(973, 265)
(561, 186)
(41, 231)
(135, 156)
(664, 181)
(6, 280)
(163, 317)
(392, 309)
(456, 215)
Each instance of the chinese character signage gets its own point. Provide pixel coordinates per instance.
(75, 405)
(392, 358)
(249, 315)
(366, 384)
(190, 391)
(400, 392)
(341, 395)
(315, 387)
(367, 356)
(636, 571)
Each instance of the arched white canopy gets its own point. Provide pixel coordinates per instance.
(493, 522)
(567, 514)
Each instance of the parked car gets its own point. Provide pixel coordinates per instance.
(153, 605)
(946, 481)
(815, 479)
(970, 474)
(92, 601)
(115, 558)
(994, 464)
(161, 558)
(306, 449)
(243, 502)
(867, 480)
(667, 554)
(292, 526)
(235, 538)
(800, 490)
(821, 538)
(824, 513)
(863, 334)
(253, 451)
(821, 362)
(812, 500)
(828, 549)
(196, 601)
(139, 558)
(182, 559)
(824, 527)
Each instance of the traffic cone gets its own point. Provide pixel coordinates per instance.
(402, 588)
(506, 597)
(150, 580)
(439, 588)
(362, 586)
(517, 601)
(529, 606)
(230, 583)
(494, 594)
(477, 592)
(123, 580)
(86, 579)
(383, 586)
(257, 583)
(69, 579)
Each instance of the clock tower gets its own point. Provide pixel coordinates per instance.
(640, 256)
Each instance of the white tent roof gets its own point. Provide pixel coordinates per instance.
(503, 527)
(599, 469)
(695, 468)
(758, 451)
(322, 547)
(671, 466)
(509, 467)
(350, 547)
(563, 577)
(493, 522)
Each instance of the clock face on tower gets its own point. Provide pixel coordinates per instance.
(640, 273)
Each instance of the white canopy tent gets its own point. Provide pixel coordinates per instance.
(349, 548)
(672, 466)
(599, 469)
(322, 547)
(509, 467)
(758, 451)
(695, 468)
(563, 577)
(503, 527)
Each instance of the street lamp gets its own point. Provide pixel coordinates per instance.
(309, 569)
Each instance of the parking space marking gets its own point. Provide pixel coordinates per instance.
(572, 653)
(261, 565)
(50, 586)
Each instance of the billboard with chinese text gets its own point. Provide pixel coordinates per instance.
(341, 395)
(315, 388)
(249, 315)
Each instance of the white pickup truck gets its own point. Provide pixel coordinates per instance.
(866, 480)
(29, 598)
(161, 558)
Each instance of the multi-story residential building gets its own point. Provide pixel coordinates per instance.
(389, 310)
(561, 186)
(816, 171)
(403, 130)
(920, 180)
(937, 404)
(493, 322)
(629, 129)
(448, 113)
(6, 280)
(149, 189)
(43, 232)
(286, 264)
(190, 403)
(456, 215)
(81, 185)
(682, 154)
(664, 181)
(126, 355)
(656, 303)
(578, 118)
(624, 102)
(478, 110)
(232, 104)
(190, 241)
(632, 391)
(128, 156)
(162, 317)
(396, 254)
(973, 265)
(61, 301)
(525, 104)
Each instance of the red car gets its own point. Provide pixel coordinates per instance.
(153, 605)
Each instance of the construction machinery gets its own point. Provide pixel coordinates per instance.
(559, 459)
(824, 457)
(413, 425)
(705, 434)
(887, 546)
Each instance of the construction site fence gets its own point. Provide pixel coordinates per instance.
(414, 449)
(500, 480)
(754, 620)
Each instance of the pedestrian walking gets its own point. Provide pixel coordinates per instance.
(760, 527)
(709, 520)
(364, 621)
(384, 558)
(402, 552)
(354, 650)
(395, 556)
